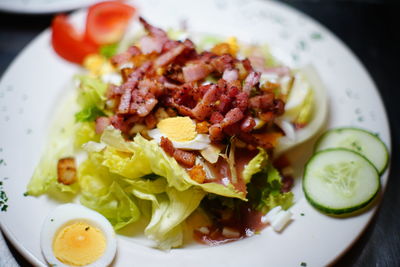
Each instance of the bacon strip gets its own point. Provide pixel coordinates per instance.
(169, 56)
(195, 72)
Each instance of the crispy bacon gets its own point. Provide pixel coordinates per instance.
(195, 72)
(167, 146)
(169, 56)
(204, 107)
(233, 116)
(262, 102)
(184, 157)
(247, 124)
(169, 74)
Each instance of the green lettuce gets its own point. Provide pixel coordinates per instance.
(168, 212)
(255, 165)
(91, 98)
(103, 191)
(264, 190)
(177, 176)
(60, 144)
(124, 157)
(134, 159)
(85, 132)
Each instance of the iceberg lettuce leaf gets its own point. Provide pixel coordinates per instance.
(60, 144)
(264, 190)
(101, 191)
(134, 159)
(255, 165)
(85, 132)
(124, 157)
(162, 164)
(172, 209)
(91, 98)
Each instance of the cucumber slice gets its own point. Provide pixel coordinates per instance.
(358, 140)
(338, 181)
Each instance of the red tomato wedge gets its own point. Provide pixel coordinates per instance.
(68, 43)
(107, 21)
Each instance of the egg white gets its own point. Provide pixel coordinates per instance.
(200, 142)
(68, 214)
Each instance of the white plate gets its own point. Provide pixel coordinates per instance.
(42, 6)
(34, 84)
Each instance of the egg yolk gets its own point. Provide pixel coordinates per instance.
(79, 244)
(179, 129)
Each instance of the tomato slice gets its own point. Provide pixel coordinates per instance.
(107, 21)
(68, 43)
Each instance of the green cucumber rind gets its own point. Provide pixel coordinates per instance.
(375, 136)
(333, 211)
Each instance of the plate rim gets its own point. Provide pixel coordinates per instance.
(33, 260)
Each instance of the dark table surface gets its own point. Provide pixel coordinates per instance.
(368, 28)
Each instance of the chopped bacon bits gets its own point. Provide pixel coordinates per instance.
(66, 171)
(168, 74)
(183, 157)
(198, 174)
(167, 145)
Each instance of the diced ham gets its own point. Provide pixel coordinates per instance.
(242, 100)
(224, 103)
(251, 80)
(262, 102)
(216, 117)
(204, 107)
(101, 124)
(195, 72)
(233, 116)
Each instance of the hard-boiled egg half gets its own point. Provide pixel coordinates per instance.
(73, 235)
(182, 133)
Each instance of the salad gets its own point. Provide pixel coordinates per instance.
(185, 133)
